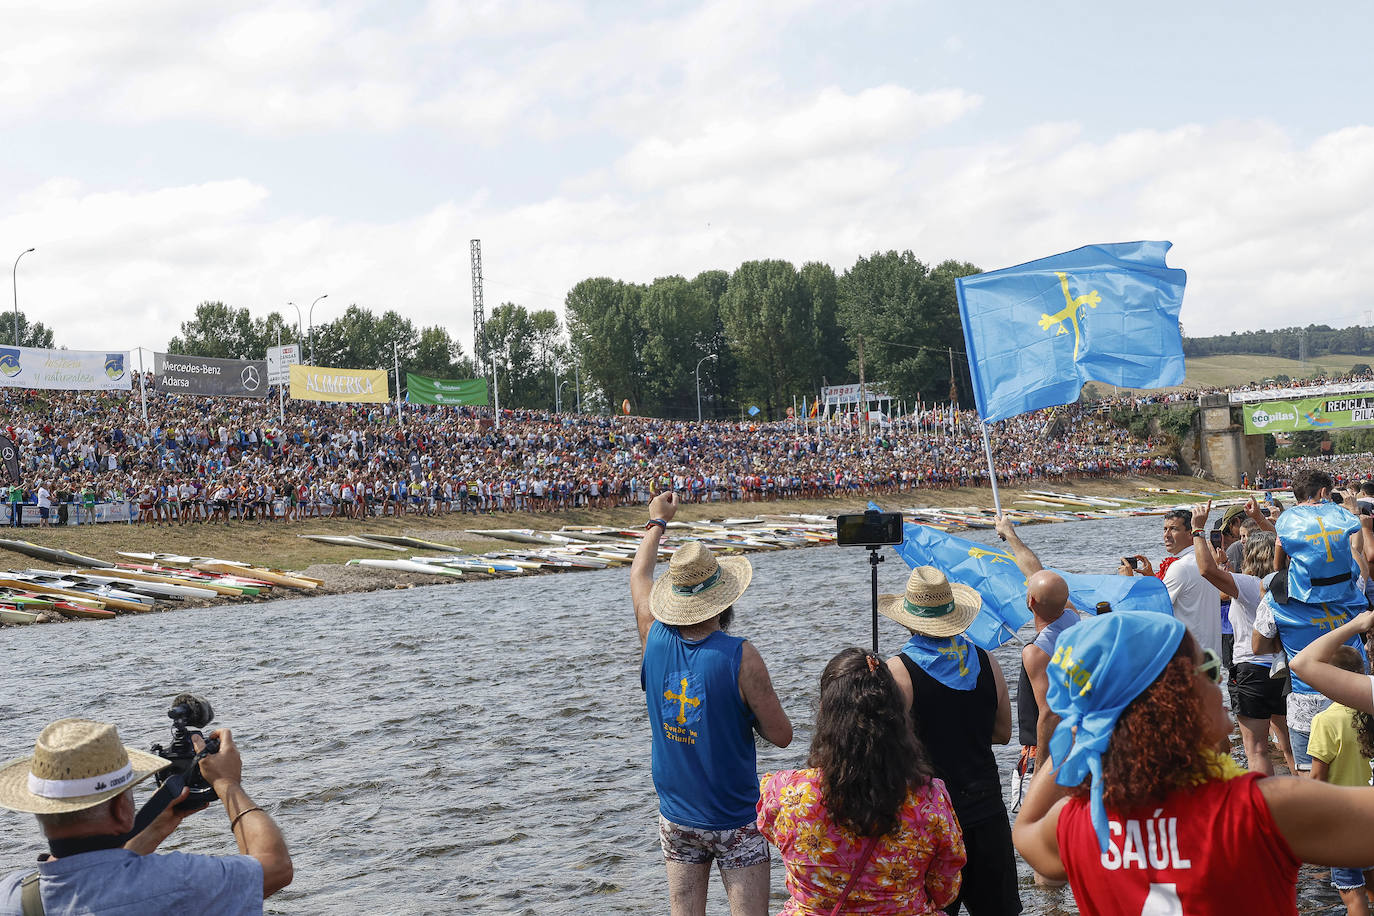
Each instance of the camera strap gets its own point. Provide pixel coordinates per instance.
(75, 846)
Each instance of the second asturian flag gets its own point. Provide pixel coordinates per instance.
(1038, 331)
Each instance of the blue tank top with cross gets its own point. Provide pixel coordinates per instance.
(703, 742)
(1321, 567)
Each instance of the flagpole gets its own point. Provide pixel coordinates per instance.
(142, 388)
(992, 473)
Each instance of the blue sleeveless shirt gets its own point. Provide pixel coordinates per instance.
(1300, 622)
(703, 741)
(1317, 541)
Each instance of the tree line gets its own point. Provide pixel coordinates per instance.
(1321, 340)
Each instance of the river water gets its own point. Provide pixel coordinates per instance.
(469, 748)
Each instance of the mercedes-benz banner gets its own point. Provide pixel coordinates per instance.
(238, 378)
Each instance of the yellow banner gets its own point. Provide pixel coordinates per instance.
(324, 383)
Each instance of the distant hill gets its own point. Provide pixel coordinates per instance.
(1243, 369)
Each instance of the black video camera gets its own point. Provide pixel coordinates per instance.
(871, 529)
(189, 714)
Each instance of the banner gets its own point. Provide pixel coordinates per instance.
(1305, 391)
(68, 370)
(422, 390)
(325, 383)
(279, 363)
(849, 394)
(203, 375)
(1036, 332)
(1309, 414)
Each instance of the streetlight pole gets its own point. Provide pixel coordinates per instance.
(14, 279)
(299, 323)
(698, 375)
(558, 397)
(577, 380)
(310, 326)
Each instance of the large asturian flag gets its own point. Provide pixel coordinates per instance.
(994, 574)
(1038, 331)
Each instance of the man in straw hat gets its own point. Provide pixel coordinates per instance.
(706, 692)
(78, 782)
(959, 709)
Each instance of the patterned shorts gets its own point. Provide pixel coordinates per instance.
(737, 848)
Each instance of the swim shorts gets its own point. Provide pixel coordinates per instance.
(1256, 695)
(737, 848)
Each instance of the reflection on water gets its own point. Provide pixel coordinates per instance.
(474, 748)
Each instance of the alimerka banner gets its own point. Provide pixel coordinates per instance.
(324, 383)
(238, 378)
(422, 390)
(68, 370)
(1310, 414)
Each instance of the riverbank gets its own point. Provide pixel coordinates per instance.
(278, 544)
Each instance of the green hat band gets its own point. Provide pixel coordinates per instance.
(919, 610)
(702, 585)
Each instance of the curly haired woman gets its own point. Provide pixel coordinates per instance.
(1138, 812)
(868, 820)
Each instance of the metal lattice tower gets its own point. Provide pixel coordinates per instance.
(479, 310)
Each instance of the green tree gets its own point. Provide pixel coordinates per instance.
(908, 317)
(438, 355)
(30, 334)
(220, 331)
(607, 334)
(510, 339)
(680, 327)
(767, 319)
(358, 339)
(719, 376)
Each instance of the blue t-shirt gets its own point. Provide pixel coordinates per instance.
(703, 742)
(1046, 638)
(118, 882)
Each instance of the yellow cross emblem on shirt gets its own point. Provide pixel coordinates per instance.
(1325, 537)
(957, 650)
(1330, 620)
(682, 701)
(1069, 312)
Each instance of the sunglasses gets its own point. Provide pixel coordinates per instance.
(1211, 666)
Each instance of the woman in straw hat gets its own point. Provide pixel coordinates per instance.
(959, 710)
(1141, 814)
(867, 827)
(706, 692)
(78, 782)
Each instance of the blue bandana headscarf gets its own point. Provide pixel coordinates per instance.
(951, 660)
(1099, 666)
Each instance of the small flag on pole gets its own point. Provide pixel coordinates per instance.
(1038, 331)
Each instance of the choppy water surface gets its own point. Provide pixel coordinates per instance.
(473, 748)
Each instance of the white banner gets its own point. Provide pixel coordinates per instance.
(279, 363)
(849, 394)
(1306, 391)
(69, 370)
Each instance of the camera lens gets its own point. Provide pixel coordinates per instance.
(193, 710)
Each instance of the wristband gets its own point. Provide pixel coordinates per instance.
(235, 822)
(662, 523)
(1199, 533)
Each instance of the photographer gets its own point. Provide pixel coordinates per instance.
(78, 783)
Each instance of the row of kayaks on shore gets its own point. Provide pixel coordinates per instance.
(92, 588)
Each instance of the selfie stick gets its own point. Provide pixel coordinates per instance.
(874, 558)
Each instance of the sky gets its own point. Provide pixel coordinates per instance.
(158, 153)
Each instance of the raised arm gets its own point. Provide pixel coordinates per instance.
(1323, 824)
(661, 508)
(1026, 560)
(254, 829)
(1207, 563)
(1313, 665)
(1252, 510)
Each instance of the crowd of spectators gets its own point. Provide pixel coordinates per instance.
(212, 459)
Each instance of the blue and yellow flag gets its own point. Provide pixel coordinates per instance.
(1038, 331)
(995, 575)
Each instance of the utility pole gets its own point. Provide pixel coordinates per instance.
(862, 405)
(479, 310)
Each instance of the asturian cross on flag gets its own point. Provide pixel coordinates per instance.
(1038, 331)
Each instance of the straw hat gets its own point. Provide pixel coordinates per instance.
(76, 764)
(697, 586)
(932, 606)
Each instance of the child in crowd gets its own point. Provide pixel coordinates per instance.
(1341, 746)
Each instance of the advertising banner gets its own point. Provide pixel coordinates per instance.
(849, 394)
(422, 390)
(1310, 414)
(68, 370)
(279, 363)
(1305, 391)
(202, 375)
(325, 383)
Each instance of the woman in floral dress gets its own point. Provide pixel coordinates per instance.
(868, 778)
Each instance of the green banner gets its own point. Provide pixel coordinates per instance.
(421, 390)
(1338, 412)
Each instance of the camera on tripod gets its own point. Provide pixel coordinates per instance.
(189, 714)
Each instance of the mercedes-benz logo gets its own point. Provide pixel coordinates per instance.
(250, 378)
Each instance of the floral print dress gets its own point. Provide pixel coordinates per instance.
(913, 870)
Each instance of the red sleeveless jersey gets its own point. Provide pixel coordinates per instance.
(1211, 849)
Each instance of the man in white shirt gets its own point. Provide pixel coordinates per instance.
(1196, 601)
(44, 506)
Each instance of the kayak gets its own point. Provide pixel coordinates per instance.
(431, 569)
(11, 615)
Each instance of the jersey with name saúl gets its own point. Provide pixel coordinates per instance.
(703, 742)
(1210, 850)
(1321, 566)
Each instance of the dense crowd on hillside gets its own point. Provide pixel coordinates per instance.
(208, 459)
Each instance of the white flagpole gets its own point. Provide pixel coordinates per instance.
(992, 472)
(142, 388)
(281, 388)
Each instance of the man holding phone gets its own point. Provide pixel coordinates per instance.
(1196, 602)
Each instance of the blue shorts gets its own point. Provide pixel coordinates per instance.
(1299, 741)
(1347, 879)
